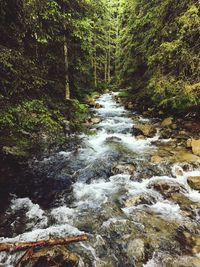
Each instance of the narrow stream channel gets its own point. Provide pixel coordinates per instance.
(115, 198)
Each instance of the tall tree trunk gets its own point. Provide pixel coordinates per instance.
(109, 57)
(66, 61)
(95, 64)
(106, 67)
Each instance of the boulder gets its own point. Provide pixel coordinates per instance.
(124, 168)
(167, 122)
(167, 187)
(195, 147)
(144, 129)
(194, 182)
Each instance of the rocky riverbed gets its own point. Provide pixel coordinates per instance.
(132, 184)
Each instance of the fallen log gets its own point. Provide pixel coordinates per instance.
(41, 243)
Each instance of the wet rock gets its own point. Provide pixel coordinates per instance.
(136, 250)
(113, 139)
(90, 101)
(183, 156)
(194, 182)
(100, 168)
(95, 120)
(156, 159)
(167, 187)
(184, 201)
(165, 133)
(124, 168)
(167, 122)
(98, 106)
(139, 199)
(195, 147)
(144, 129)
(189, 242)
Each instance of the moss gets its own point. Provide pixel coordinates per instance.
(123, 93)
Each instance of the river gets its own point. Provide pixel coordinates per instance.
(118, 197)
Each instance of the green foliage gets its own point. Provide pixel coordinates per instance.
(123, 93)
(160, 51)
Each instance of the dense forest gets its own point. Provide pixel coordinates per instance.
(160, 53)
(51, 52)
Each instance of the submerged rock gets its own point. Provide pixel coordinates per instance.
(124, 168)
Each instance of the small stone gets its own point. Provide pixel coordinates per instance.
(194, 182)
(167, 122)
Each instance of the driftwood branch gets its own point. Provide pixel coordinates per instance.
(41, 243)
(25, 257)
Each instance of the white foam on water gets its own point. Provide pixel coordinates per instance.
(34, 213)
(64, 154)
(63, 215)
(182, 176)
(94, 194)
(167, 209)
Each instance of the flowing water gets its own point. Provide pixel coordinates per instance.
(113, 198)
